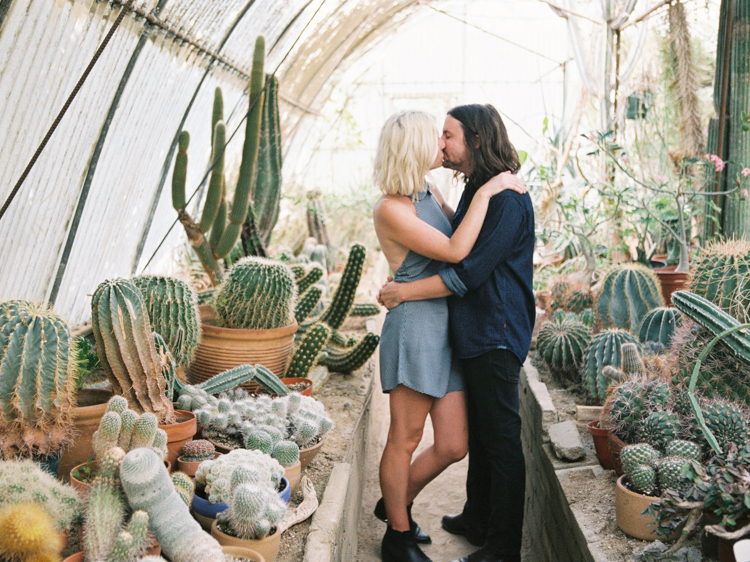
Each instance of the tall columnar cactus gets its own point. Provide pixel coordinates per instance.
(721, 275)
(305, 355)
(562, 345)
(604, 351)
(258, 294)
(659, 325)
(36, 380)
(349, 360)
(24, 480)
(28, 534)
(125, 345)
(105, 507)
(343, 297)
(307, 303)
(148, 487)
(309, 278)
(173, 310)
(627, 293)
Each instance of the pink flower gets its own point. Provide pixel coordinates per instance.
(718, 162)
(745, 172)
(661, 179)
(745, 193)
(590, 136)
(624, 158)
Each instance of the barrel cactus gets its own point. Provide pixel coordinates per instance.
(637, 455)
(643, 479)
(727, 421)
(603, 351)
(627, 293)
(257, 294)
(721, 274)
(126, 348)
(659, 325)
(659, 428)
(36, 380)
(579, 300)
(624, 410)
(684, 449)
(28, 534)
(562, 345)
(173, 310)
(669, 472)
(197, 450)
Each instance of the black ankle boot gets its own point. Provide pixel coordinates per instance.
(419, 535)
(400, 546)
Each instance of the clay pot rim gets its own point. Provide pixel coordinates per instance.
(181, 429)
(268, 538)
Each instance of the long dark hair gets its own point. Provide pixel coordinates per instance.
(495, 153)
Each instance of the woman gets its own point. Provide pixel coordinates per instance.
(412, 222)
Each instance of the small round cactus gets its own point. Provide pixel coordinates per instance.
(286, 452)
(197, 451)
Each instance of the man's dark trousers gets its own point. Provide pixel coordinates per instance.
(496, 480)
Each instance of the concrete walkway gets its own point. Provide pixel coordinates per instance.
(446, 494)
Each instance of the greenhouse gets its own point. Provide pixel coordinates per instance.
(375, 280)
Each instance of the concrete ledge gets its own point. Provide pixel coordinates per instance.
(327, 524)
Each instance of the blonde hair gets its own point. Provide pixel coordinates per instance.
(407, 147)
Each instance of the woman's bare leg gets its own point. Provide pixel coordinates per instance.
(450, 444)
(409, 410)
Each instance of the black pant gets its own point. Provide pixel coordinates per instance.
(496, 480)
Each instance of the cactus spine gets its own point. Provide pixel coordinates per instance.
(562, 345)
(173, 310)
(28, 535)
(258, 294)
(343, 298)
(126, 349)
(307, 302)
(105, 508)
(36, 380)
(604, 351)
(351, 359)
(659, 325)
(627, 293)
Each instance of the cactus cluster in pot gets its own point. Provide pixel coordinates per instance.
(124, 428)
(37, 386)
(651, 473)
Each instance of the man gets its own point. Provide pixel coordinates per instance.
(491, 317)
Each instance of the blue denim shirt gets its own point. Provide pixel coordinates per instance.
(493, 300)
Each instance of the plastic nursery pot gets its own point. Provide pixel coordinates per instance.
(614, 446)
(268, 547)
(306, 456)
(179, 433)
(296, 383)
(629, 507)
(599, 436)
(242, 553)
(189, 467)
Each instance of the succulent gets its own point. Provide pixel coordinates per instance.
(578, 300)
(560, 289)
(603, 351)
(254, 511)
(659, 325)
(627, 293)
(726, 421)
(126, 348)
(37, 363)
(172, 308)
(562, 345)
(309, 277)
(643, 479)
(148, 487)
(286, 452)
(198, 450)
(351, 359)
(659, 428)
(307, 303)
(305, 355)
(127, 429)
(29, 534)
(365, 309)
(669, 471)
(637, 455)
(257, 294)
(23, 480)
(184, 486)
(721, 274)
(624, 410)
(587, 317)
(214, 476)
(683, 449)
(343, 297)
(563, 316)
(657, 394)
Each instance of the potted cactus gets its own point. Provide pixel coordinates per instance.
(37, 392)
(193, 454)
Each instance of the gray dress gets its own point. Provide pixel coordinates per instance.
(414, 346)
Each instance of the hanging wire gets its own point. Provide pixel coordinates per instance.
(216, 159)
(64, 109)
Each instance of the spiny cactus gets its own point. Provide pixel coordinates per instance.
(172, 308)
(197, 450)
(254, 511)
(184, 486)
(637, 455)
(721, 274)
(307, 302)
(258, 294)
(343, 297)
(578, 300)
(23, 480)
(659, 325)
(683, 449)
(28, 534)
(561, 315)
(643, 479)
(726, 420)
(559, 291)
(669, 471)
(659, 428)
(309, 278)
(215, 475)
(627, 293)
(305, 355)
(603, 351)
(352, 358)
(37, 362)
(128, 430)
(562, 345)
(624, 410)
(148, 487)
(587, 317)
(105, 507)
(286, 452)
(125, 345)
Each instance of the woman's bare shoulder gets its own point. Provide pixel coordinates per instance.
(391, 204)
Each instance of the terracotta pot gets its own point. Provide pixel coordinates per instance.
(599, 436)
(543, 299)
(671, 281)
(268, 547)
(86, 418)
(78, 556)
(224, 348)
(179, 433)
(189, 467)
(223, 449)
(299, 380)
(306, 456)
(614, 447)
(293, 474)
(629, 507)
(242, 553)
